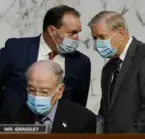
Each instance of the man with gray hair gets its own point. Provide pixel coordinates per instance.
(44, 105)
(123, 76)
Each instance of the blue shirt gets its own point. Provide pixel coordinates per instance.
(49, 118)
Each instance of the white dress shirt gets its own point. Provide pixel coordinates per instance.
(123, 54)
(44, 51)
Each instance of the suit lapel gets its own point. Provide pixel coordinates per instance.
(60, 124)
(70, 78)
(106, 79)
(33, 50)
(69, 63)
(124, 69)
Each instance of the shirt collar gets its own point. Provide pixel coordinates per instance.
(51, 114)
(44, 48)
(123, 54)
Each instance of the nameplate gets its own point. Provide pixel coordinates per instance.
(41, 129)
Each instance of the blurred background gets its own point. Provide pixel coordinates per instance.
(21, 18)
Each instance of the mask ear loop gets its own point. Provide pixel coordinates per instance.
(60, 34)
(57, 45)
(119, 43)
(65, 37)
(60, 96)
(54, 40)
(121, 40)
(54, 92)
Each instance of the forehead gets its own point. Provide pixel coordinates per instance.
(71, 22)
(39, 79)
(100, 28)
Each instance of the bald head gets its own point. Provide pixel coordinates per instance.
(46, 68)
(44, 78)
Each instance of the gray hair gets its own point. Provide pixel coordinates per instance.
(113, 20)
(48, 65)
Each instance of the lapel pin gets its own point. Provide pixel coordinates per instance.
(64, 124)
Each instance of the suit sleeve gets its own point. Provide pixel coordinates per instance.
(138, 125)
(101, 110)
(86, 84)
(5, 65)
(70, 86)
(90, 125)
(79, 86)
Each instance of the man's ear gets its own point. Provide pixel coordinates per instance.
(51, 31)
(121, 31)
(60, 90)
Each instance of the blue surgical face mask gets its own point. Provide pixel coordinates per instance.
(39, 105)
(105, 49)
(68, 45)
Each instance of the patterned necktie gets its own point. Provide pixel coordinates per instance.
(52, 55)
(46, 121)
(115, 75)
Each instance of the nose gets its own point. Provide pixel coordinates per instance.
(36, 93)
(76, 37)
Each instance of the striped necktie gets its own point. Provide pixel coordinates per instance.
(46, 121)
(115, 75)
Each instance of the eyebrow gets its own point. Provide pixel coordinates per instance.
(101, 35)
(29, 85)
(94, 37)
(75, 31)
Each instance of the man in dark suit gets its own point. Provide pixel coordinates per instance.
(123, 76)
(44, 106)
(58, 42)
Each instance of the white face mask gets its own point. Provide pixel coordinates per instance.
(67, 46)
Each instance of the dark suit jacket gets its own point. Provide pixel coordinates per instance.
(77, 118)
(126, 112)
(19, 54)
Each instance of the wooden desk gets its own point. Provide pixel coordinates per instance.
(71, 136)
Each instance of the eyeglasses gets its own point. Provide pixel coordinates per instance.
(38, 91)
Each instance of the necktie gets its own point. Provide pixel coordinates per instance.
(115, 75)
(46, 121)
(52, 55)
